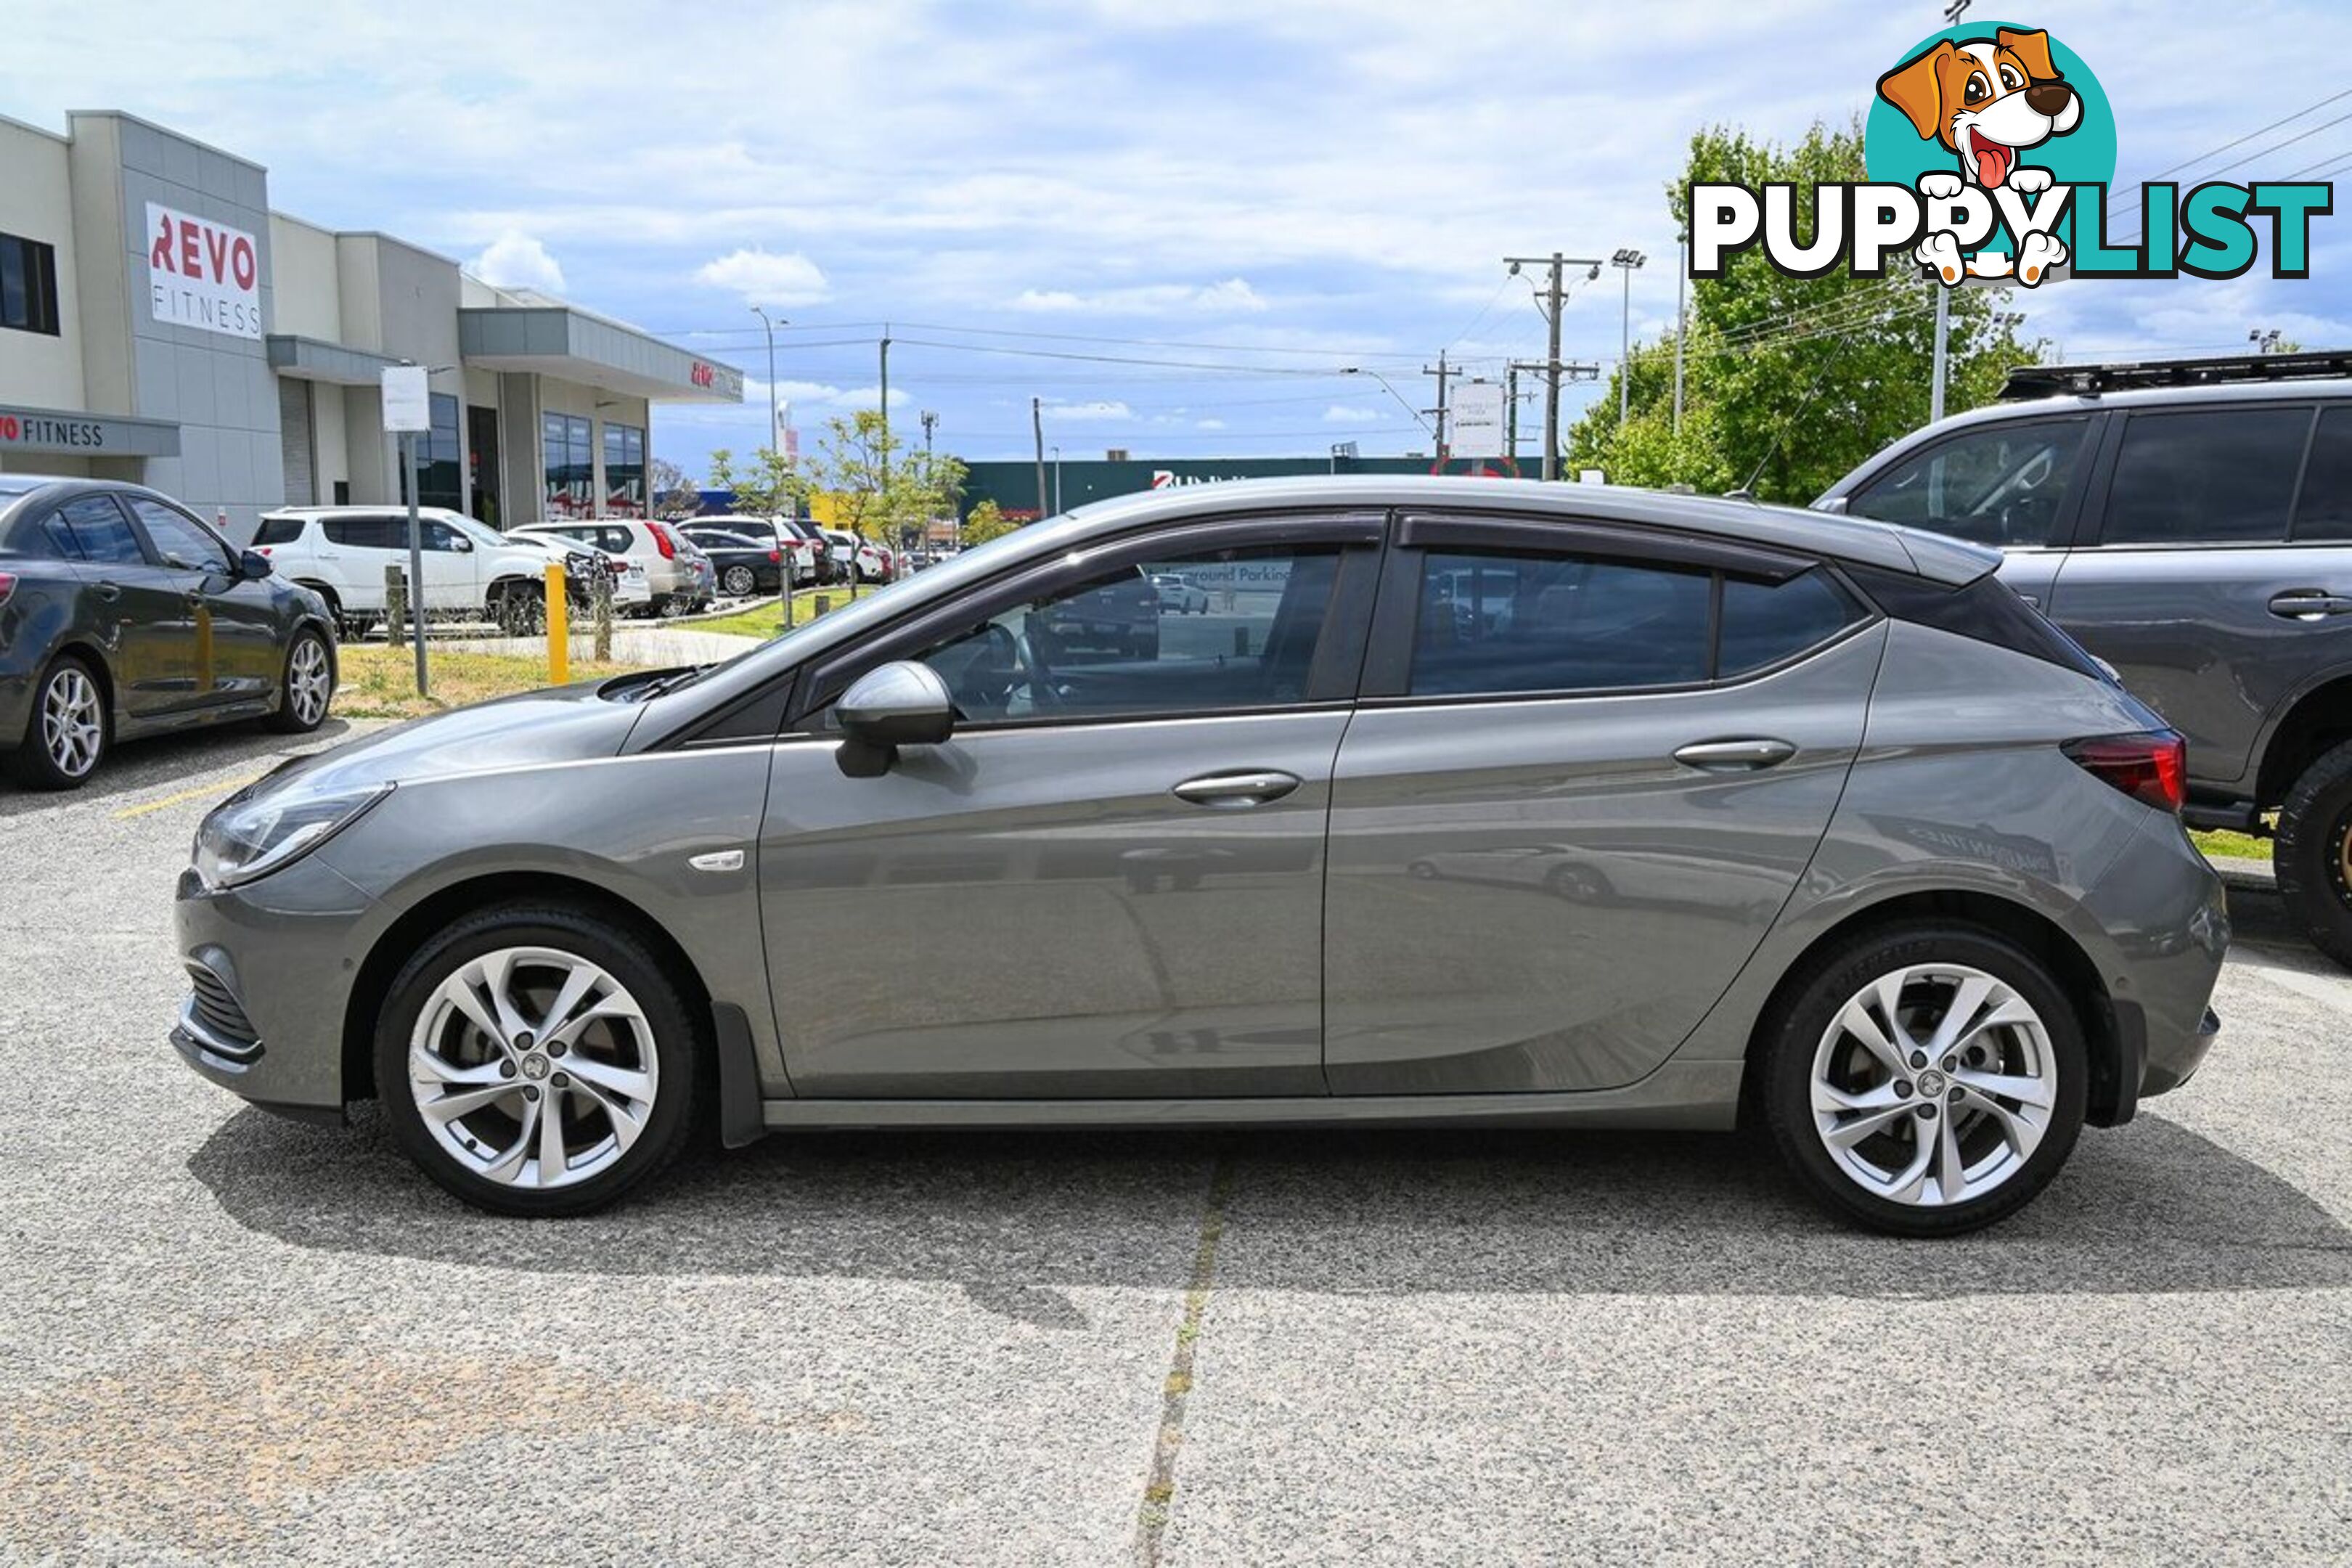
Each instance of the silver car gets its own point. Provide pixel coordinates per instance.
(1487, 803)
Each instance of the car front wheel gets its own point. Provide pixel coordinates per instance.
(67, 737)
(308, 686)
(2312, 855)
(537, 1061)
(1925, 1080)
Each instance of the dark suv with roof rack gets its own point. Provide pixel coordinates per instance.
(2190, 523)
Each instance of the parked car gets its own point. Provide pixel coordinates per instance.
(745, 565)
(804, 550)
(857, 560)
(677, 576)
(581, 562)
(2189, 523)
(341, 552)
(1179, 596)
(1924, 960)
(121, 615)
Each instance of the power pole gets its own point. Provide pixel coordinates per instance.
(1511, 414)
(1037, 428)
(1444, 431)
(1549, 299)
(886, 409)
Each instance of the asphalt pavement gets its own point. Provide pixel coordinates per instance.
(226, 1338)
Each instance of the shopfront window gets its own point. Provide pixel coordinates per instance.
(440, 461)
(570, 466)
(624, 470)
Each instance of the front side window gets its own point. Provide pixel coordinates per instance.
(181, 541)
(102, 531)
(2001, 485)
(1109, 646)
(2219, 475)
(1505, 623)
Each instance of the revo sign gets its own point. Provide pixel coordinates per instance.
(202, 274)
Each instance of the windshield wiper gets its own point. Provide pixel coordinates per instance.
(671, 682)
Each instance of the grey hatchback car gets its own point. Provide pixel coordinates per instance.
(1480, 803)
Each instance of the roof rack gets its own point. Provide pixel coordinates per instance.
(2090, 380)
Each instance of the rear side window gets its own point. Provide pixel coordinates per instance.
(1765, 623)
(366, 533)
(2215, 476)
(1997, 485)
(1504, 622)
(2324, 510)
(276, 531)
(104, 532)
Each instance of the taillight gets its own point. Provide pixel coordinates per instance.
(774, 556)
(7, 585)
(2152, 768)
(662, 540)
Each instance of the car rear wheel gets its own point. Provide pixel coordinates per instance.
(308, 686)
(740, 582)
(1925, 1080)
(2312, 855)
(537, 1061)
(67, 735)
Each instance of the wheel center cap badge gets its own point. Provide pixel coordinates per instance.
(534, 1067)
(1931, 1083)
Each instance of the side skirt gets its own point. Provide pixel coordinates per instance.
(1693, 1096)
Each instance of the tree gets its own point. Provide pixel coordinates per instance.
(1792, 379)
(878, 489)
(987, 521)
(768, 488)
(675, 493)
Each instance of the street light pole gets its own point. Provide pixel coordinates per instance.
(1058, 480)
(773, 438)
(1682, 321)
(1627, 260)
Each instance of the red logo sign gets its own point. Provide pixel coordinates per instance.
(703, 374)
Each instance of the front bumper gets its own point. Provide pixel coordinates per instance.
(282, 951)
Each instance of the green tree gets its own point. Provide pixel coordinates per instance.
(1793, 380)
(770, 487)
(879, 490)
(987, 521)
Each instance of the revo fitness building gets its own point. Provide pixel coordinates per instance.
(159, 323)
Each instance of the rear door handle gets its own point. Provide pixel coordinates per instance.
(1237, 789)
(1735, 756)
(2310, 604)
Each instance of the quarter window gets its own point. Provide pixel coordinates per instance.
(1113, 646)
(2324, 511)
(179, 540)
(1502, 623)
(367, 532)
(1764, 623)
(1999, 485)
(2221, 475)
(277, 531)
(102, 531)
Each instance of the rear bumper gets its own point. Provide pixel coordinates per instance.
(2175, 1061)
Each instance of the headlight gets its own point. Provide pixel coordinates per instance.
(251, 835)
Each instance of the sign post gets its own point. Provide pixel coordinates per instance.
(1475, 421)
(409, 411)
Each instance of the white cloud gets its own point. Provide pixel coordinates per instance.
(1100, 411)
(1349, 414)
(518, 260)
(871, 397)
(1207, 425)
(766, 278)
(1232, 296)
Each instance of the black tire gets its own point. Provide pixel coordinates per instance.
(682, 1055)
(1805, 1008)
(31, 762)
(2310, 855)
(740, 581)
(287, 721)
(518, 609)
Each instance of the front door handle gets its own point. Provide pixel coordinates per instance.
(1743, 755)
(2310, 604)
(109, 592)
(1255, 787)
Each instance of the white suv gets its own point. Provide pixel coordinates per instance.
(858, 559)
(340, 552)
(680, 575)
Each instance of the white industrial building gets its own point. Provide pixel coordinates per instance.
(160, 323)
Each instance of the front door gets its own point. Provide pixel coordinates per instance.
(1570, 808)
(234, 625)
(1109, 882)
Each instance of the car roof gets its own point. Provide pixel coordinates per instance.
(19, 492)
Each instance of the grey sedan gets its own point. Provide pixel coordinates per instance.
(1476, 803)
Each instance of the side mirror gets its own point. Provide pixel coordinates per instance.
(461, 545)
(900, 704)
(252, 564)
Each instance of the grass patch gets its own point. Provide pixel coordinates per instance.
(767, 620)
(2242, 845)
(379, 682)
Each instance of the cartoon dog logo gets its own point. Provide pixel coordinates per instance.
(1988, 100)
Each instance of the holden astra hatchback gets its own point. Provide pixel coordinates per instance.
(1483, 804)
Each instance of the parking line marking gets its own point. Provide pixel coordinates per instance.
(1160, 1492)
(231, 787)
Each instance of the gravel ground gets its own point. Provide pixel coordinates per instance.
(226, 1337)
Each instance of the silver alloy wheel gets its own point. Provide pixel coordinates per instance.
(73, 722)
(1934, 1085)
(308, 685)
(534, 1068)
(740, 582)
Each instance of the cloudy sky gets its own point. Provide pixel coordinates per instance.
(1194, 227)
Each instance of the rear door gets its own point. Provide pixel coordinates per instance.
(1568, 807)
(141, 603)
(1109, 881)
(2188, 582)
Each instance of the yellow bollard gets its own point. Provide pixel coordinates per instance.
(559, 627)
